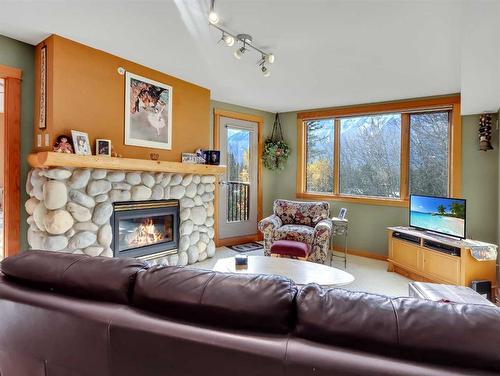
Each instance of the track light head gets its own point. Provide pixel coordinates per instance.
(238, 54)
(265, 71)
(213, 18)
(270, 58)
(228, 39)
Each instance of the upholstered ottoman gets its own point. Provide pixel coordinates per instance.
(290, 248)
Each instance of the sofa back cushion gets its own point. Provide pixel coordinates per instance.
(301, 212)
(239, 301)
(96, 278)
(440, 333)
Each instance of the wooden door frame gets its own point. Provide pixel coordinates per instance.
(12, 158)
(218, 113)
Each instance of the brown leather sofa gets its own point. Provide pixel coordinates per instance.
(63, 314)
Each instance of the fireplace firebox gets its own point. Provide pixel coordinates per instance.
(145, 229)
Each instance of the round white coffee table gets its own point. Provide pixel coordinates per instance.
(301, 272)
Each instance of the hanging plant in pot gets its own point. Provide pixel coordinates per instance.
(276, 150)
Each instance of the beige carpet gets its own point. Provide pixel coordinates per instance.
(370, 275)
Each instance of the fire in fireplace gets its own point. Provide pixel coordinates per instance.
(145, 229)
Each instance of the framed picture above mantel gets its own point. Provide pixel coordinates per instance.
(148, 113)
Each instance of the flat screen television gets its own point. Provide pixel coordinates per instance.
(438, 214)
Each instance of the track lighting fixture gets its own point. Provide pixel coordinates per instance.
(265, 71)
(213, 17)
(244, 39)
(228, 39)
(238, 54)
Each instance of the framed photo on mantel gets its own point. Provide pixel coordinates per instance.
(148, 113)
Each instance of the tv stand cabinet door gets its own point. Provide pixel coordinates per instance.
(441, 267)
(405, 254)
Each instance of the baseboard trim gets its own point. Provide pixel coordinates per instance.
(367, 254)
(237, 240)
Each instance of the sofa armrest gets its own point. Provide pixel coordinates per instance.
(269, 224)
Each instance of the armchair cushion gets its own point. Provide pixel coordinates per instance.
(298, 233)
(290, 248)
(301, 212)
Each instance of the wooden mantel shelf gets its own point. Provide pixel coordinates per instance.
(50, 159)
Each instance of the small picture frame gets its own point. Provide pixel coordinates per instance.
(342, 213)
(103, 147)
(214, 157)
(81, 143)
(201, 156)
(189, 158)
(63, 144)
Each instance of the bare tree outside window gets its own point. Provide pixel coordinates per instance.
(370, 155)
(319, 159)
(429, 148)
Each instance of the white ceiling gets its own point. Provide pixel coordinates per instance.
(328, 53)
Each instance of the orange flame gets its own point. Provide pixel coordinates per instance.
(146, 234)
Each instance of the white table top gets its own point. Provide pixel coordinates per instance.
(301, 272)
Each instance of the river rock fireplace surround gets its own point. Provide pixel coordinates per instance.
(76, 210)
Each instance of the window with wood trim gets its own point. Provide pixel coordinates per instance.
(381, 153)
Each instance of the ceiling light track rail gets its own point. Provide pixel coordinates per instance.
(244, 39)
(241, 38)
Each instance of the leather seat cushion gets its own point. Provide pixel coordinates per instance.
(408, 328)
(290, 248)
(298, 233)
(97, 278)
(242, 301)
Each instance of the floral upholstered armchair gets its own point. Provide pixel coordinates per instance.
(306, 222)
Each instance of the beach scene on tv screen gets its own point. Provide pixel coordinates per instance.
(438, 214)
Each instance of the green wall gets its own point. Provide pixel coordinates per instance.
(21, 55)
(268, 177)
(367, 223)
(480, 182)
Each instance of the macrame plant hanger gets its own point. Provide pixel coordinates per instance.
(277, 134)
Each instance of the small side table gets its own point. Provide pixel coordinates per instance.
(340, 227)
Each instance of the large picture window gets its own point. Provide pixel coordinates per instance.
(381, 156)
(429, 156)
(370, 153)
(320, 141)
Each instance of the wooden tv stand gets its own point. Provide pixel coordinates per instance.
(419, 258)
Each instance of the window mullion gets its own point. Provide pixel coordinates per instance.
(404, 183)
(336, 158)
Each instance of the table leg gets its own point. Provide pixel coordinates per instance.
(345, 250)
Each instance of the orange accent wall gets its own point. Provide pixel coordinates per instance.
(86, 93)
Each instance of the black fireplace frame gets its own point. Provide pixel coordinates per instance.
(135, 209)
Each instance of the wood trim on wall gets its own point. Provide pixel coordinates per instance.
(451, 103)
(260, 140)
(383, 107)
(12, 160)
(10, 72)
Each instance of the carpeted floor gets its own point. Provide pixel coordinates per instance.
(370, 275)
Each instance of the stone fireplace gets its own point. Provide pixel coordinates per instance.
(145, 229)
(76, 210)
